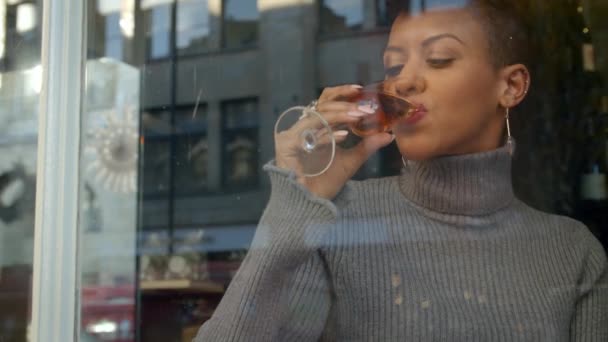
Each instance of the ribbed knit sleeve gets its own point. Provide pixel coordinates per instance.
(281, 286)
(590, 321)
(309, 303)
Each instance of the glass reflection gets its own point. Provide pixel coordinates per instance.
(240, 147)
(193, 27)
(111, 29)
(157, 19)
(341, 15)
(20, 34)
(20, 85)
(240, 23)
(108, 213)
(113, 36)
(156, 151)
(192, 149)
(206, 130)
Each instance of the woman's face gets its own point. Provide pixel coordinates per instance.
(440, 60)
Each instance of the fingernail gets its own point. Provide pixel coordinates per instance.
(366, 109)
(355, 113)
(356, 86)
(340, 133)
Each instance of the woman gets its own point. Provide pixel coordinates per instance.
(442, 252)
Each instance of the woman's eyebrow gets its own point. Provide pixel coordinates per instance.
(393, 49)
(425, 42)
(435, 38)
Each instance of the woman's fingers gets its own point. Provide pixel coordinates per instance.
(340, 135)
(323, 136)
(342, 92)
(333, 113)
(333, 108)
(336, 112)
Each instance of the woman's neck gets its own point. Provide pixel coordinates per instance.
(469, 184)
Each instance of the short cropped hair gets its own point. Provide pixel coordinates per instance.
(502, 21)
(508, 35)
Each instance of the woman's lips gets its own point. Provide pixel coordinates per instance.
(415, 115)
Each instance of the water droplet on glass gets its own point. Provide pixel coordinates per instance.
(398, 299)
(395, 280)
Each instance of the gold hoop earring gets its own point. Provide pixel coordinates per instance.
(510, 142)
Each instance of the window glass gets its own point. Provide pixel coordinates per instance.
(21, 34)
(385, 13)
(193, 27)
(240, 23)
(111, 29)
(155, 211)
(156, 151)
(20, 87)
(474, 172)
(240, 144)
(192, 150)
(157, 18)
(340, 16)
(111, 150)
(157, 156)
(113, 36)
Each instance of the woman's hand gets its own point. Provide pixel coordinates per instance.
(337, 111)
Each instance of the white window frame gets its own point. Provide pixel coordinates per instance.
(55, 297)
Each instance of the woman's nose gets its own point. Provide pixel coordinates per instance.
(409, 84)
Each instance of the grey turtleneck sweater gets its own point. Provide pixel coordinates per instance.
(444, 252)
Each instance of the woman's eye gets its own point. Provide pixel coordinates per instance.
(439, 62)
(393, 71)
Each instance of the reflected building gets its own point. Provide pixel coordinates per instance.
(214, 75)
(20, 85)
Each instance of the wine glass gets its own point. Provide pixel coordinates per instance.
(306, 138)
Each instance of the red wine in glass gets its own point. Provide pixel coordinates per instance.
(384, 110)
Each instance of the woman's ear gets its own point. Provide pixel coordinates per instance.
(515, 82)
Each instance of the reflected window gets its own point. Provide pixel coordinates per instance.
(157, 23)
(156, 151)
(111, 28)
(193, 27)
(191, 161)
(26, 17)
(339, 16)
(386, 10)
(113, 46)
(155, 213)
(20, 34)
(240, 144)
(240, 23)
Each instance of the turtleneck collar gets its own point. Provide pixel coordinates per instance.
(471, 184)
